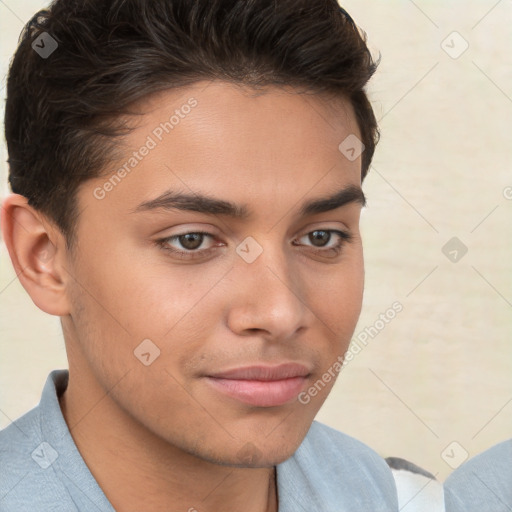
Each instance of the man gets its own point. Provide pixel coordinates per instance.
(186, 183)
(483, 483)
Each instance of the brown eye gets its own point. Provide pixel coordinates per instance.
(319, 238)
(188, 245)
(191, 241)
(323, 243)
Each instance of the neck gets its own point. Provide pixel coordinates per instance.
(138, 470)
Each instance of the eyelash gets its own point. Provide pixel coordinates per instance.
(190, 254)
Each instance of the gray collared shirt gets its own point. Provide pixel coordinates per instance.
(483, 483)
(42, 470)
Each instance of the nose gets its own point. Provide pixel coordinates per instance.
(269, 298)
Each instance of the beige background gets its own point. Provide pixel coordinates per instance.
(440, 372)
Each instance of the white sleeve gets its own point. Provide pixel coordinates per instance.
(417, 492)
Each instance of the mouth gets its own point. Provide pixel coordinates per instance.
(261, 386)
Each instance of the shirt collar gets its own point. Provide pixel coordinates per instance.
(302, 484)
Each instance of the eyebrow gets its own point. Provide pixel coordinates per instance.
(171, 200)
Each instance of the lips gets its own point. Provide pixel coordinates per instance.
(261, 386)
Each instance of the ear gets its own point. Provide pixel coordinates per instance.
(38, 254)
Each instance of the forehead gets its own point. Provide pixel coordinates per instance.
(234, 122)
(217, 136)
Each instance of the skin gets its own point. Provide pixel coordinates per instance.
(159, 437)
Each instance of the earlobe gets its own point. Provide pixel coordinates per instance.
(36, 251)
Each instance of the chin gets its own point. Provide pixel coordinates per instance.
(252, 457)
(262, 452)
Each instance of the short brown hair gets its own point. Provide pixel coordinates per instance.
(61, 111)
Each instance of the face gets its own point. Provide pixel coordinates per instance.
(212, 285)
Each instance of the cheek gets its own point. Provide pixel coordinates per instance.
(133, 294)
(338, 308)
(337, 296)
(129, 301)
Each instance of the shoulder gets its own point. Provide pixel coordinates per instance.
(27, 478)
(339, 471)
(342, 449)
(483, 481)
(17, 442)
